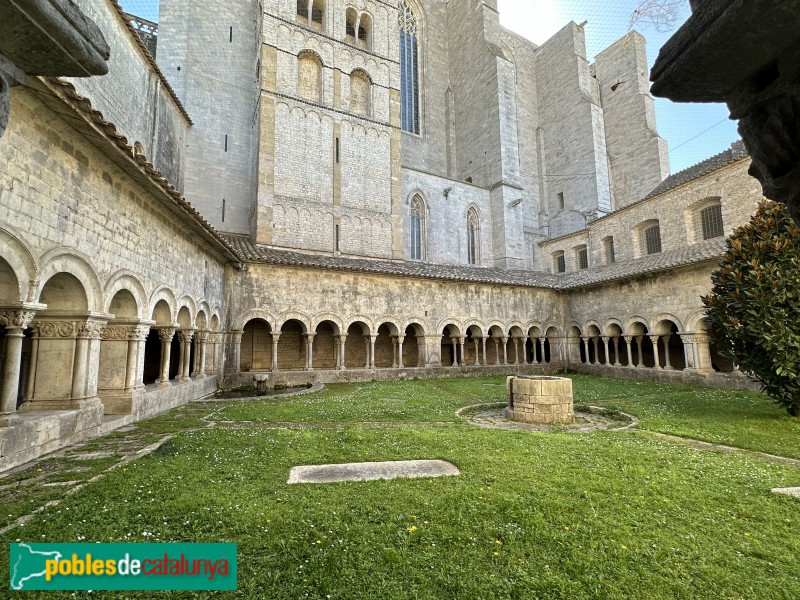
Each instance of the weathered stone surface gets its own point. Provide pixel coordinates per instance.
(369, 471)
(52, 37)
(795, 491)
(540, 399)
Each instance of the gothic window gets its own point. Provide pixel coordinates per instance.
(309, 79)
(473, 237)
(302, 11)
(582, 257)
(652, 239)
(359, 92)
(559, 263)
(711, 221)
(417, 228)
(409, 69)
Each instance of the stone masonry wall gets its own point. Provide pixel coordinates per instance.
(133, 97)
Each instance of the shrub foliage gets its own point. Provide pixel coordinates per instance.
(754, 307)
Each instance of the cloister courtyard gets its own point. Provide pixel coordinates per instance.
(679, 506)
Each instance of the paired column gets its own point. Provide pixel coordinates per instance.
(165, 334)
(505, 349)
(15, 322)
(542, 357)
(339, 344)
(186, 336)
(461, 342)
(656, 359)
(628, 340)
(400, 340)
(275, 338)
(309, 351)
(483, 344)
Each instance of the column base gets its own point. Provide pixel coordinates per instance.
(163, 384)
(9, 419)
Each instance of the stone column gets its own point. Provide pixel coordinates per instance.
(585, 339)
(516, 350)
(15, 323)
(616, 339)
(337, 350)
(372, 340)
(505, 349)
(656, 359)
(400, 340)
(133, 372)
(496, 350)
(275, 338)
(483, 345)
(186, 336)
(394, 351)
(667, 365)
(236, 340)
(366, 351)
(309, 351)
(455, 352)
(165, 334)
(543, 358)
(703, 346)
(628, 339)
(606, 350)
(202, 338)
(461, 342)
(477, 352)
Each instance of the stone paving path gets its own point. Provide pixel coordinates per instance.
(493, 416)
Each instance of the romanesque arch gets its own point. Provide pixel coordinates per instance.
(68, 261)
(21, 262)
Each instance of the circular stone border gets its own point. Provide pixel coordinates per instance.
(315, 387)
(491, 415)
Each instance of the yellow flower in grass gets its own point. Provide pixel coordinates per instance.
(411, 529)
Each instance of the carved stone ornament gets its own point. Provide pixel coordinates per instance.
(16, 319)
(186, 336)
(91, 330)
(166, 333)
(139, 333)
(116, 332)
(54, 329)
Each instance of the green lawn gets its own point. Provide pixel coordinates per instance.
(533, 515)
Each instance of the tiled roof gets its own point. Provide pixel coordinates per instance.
(80, 114)
(662, 261)
(696, 253)
(251, 252)
(737, 151)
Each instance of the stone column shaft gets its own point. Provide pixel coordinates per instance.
(400, 340)
(656, 358)
(11, 370)
(275, 338)
(505, 349)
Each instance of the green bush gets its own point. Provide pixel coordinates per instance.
(754, 308)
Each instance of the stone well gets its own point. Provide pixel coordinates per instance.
(540, 399)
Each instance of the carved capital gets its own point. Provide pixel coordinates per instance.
(166, 334)
(186, 335)
(202, 336)
(16, 319)
(90, 330)
(139, 333)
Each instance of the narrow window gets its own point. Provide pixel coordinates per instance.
(317, 14)
(302, 11)
(223, 210)
(561, 200)
(226, 142)
(473, 237)
(364, 27)
(582, 258)
(230, 37)
(559, 263)
(336, 229)
(652, 239)
(409, 70)
(350, 25)
(711, 220)
(337, 150)
(417, 227)
(608, 245)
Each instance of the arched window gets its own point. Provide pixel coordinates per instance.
(409, 69)
(652, 239)
(302, 11)
(360, 86)
(559, 263)
(417, 228)
(309, 76)
(473, 237)
(351, 16)
(581, 257)
(364, 27)
(317, 14)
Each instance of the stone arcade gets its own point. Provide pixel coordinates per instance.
(309, 190)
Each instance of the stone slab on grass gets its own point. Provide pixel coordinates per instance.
(794, 491)
(370, 471)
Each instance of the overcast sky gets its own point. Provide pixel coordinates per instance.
(694, 131)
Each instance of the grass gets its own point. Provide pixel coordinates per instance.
(533, 515)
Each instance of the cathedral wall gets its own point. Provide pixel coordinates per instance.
(637, 156)
(133, 97)
(214, 63)
(75, 208)
(329, 158)
(572, 146)
(435, 150)
(445, 239)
